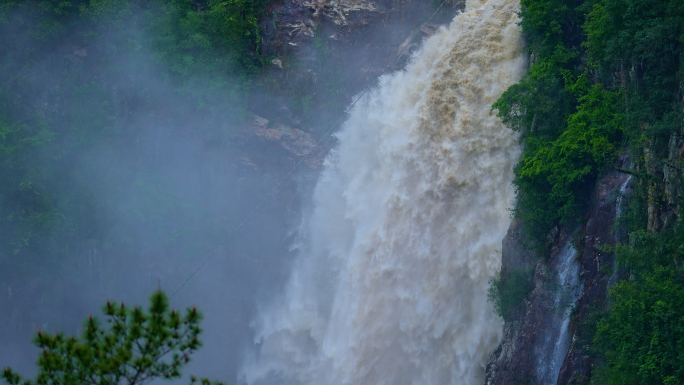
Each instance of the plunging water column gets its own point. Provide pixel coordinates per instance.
(409, 213)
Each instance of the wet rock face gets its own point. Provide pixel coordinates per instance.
(515, 254)
(293, 26)
(326, 51)
(513, 362)
(516, 360)
(664, 184)
(298, 145)
(597, 267)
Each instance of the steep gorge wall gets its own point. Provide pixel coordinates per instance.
(514, 361)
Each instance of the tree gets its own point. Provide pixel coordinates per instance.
(136, 348)
(554, 177)
(642, 335)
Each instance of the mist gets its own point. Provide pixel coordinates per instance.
(146, 178)
(143, 159)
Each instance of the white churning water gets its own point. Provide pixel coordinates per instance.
(409, 213)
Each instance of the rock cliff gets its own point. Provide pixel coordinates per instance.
(521, 358)
(323, 52)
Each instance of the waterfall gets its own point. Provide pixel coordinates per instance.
(621, 233)
(405, 234)
(553, 338)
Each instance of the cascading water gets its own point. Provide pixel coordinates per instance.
(621, 235)
(553, 339)
(390, 285)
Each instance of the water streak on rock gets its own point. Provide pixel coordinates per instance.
(553, 339)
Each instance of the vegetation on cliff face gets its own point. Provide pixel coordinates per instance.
(507, 293)
(607, 76)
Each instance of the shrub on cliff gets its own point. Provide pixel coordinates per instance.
(643, 335)
(508, 291)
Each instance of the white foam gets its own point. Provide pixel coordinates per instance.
(409, 216)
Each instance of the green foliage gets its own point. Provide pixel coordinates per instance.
(606, 74)
(637, 45)
(539, 104)
(551, 107)
(136, 347)
(641, 43)
(550, 24)
(648, 251)
(209, 50)
(204, 51)
(507, 292)
(553, 178)
(631, 31)
(643, 335)
(214, 37)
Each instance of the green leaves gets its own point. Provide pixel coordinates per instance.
(552, 23)
(553, 175)
(571, 124)
(82, 80)
(643, 335)
(136, 348)
(638, 40)
(539, 104)
(507, 292)
(589, 141)
(220, 36)
(630, 29)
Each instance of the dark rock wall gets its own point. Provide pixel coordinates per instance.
(513, 362)
(325, 52)
(597, 271)
(663, 164)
